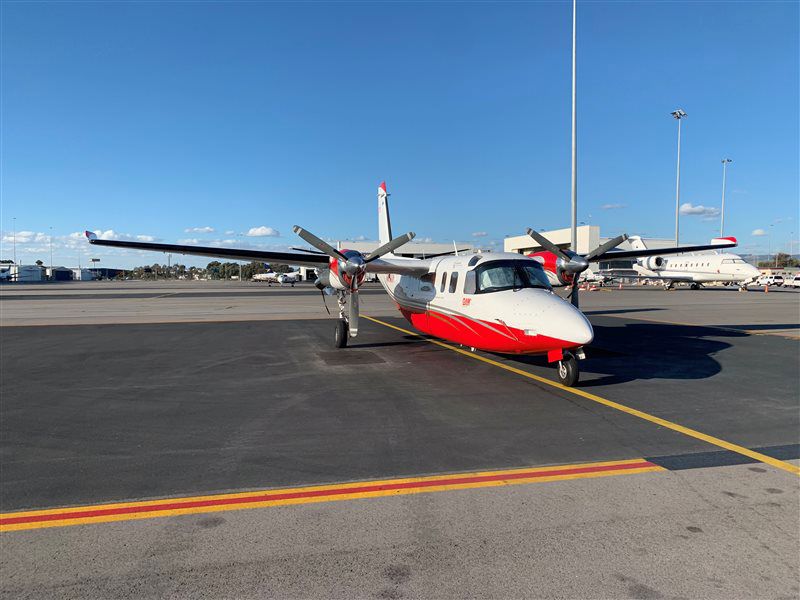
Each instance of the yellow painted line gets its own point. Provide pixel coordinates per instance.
(124, 511)
(778, 464)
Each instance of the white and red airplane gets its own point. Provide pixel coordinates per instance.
(496, 302)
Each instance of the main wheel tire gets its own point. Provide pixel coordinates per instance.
(342, 333)
(567, 369)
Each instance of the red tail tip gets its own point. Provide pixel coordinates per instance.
(382, 186)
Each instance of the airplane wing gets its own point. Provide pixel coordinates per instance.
(614, 254)
(284, 258)
(399, 266)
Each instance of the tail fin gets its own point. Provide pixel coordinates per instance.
(637, 243)
(384, 222)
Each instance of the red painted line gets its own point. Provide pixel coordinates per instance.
(268, 497)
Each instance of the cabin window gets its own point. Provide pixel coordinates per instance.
(453, 281)
(444, 282)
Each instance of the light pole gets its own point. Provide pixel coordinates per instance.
(725, 162)
(679, 114)
(574, 236)
(51, 254)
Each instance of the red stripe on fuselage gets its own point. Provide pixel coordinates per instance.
(483, 335)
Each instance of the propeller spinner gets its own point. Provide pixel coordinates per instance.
(572, 262)
(353, 264)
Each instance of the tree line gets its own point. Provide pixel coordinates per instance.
(214, 270)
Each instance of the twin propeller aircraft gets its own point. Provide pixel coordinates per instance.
(496, 302)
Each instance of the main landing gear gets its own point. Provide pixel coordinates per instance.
(568, 372)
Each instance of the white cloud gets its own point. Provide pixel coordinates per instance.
(145, 238)
(705, 211)
(479, 234)
(758, 232)
(229, 232)
(199, 230)
(426, 240)
(189, 241)
(612, 206)
(263, 231)
(25, 237)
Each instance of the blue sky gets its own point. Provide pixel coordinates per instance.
(151, 119)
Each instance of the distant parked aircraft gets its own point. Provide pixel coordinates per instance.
(695, 269)
(272, 277)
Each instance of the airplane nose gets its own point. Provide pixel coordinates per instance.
(565, 322)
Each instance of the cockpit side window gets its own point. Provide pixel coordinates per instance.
(469, 282)
(444, 282)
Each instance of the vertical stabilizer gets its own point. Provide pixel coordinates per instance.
(637, 243)
(384, 222)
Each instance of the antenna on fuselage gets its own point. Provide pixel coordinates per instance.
(455, 247)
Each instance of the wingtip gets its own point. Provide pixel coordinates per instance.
(296, 228)
(90, 235)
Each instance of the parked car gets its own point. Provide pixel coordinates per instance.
(793, 282)
(776, 280)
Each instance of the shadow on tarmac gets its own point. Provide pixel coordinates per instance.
(645, 351)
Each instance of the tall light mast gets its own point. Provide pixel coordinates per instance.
(725, 162)
(574, 238)
(678, 114)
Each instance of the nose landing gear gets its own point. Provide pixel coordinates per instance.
(568, 372)
(342, 333)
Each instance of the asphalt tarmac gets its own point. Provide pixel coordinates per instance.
(97, 413)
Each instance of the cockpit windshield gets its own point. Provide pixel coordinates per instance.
(510, 275)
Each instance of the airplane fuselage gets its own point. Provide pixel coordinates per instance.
(698, 268)
(485, 302)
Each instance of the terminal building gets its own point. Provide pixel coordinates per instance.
(588, 239)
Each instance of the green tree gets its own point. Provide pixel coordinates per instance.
(781, 261)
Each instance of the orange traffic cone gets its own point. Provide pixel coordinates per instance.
(766, 289)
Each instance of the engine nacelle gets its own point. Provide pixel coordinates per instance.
(654, 263)
(553, 267)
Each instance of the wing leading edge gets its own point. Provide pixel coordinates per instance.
(284, 258)
(398, 266)
(614, 254)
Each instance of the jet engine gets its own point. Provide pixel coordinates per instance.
(654, 263)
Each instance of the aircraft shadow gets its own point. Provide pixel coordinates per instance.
(620, 311)
(407, 339)
(646, 351)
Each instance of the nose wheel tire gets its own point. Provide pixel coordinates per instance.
(568, 372)
(342, 333)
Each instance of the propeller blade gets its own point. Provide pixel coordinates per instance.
(573, 295)
(390, 246)
(602, 249)
(318, 243)
(352, 321)
(548, 245)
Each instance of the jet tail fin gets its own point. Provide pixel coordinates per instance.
(636, 242)
(384, 222)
